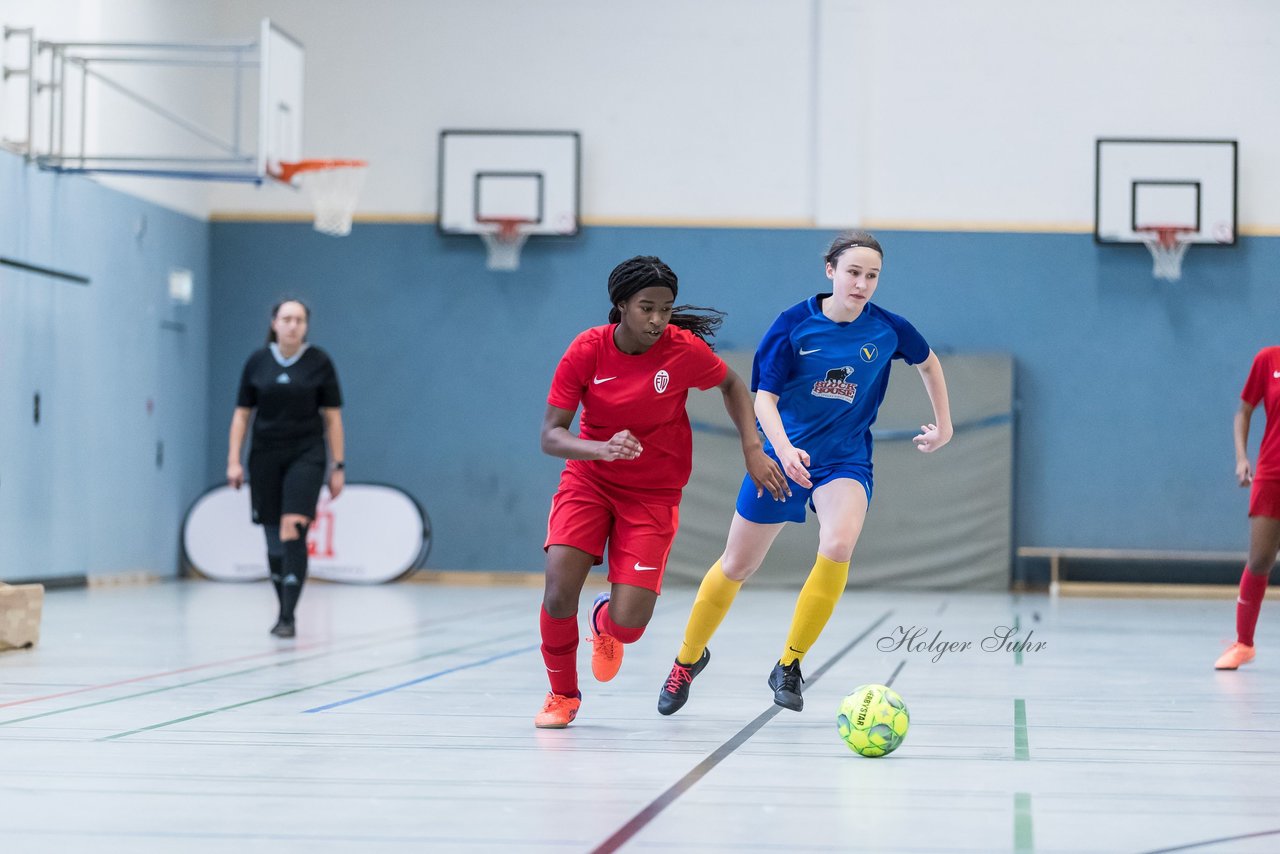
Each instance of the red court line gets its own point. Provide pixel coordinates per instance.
(157, 675)
(268, 654)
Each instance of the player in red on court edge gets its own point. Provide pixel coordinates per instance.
(1262, 386)
(627, 467)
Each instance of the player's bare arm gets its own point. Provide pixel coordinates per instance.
(761, 468)
(934, 436)
(1244, 470)
(336, 438)
(558, 441)
(794, 460)
(235, 446)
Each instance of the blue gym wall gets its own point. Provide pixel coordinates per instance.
(119, 369)
(1126, 386)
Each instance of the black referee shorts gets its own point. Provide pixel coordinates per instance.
(285, 480)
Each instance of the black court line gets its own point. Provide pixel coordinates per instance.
(1194, 845)
(889, 682)
(649, 813)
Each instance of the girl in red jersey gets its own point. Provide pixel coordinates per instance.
(626, 467)
(1262, 386)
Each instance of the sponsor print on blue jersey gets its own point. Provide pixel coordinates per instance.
(836, 385)
(831, 377)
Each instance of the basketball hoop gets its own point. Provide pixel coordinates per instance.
(333, 186)
(1168, 243)
(503, 241)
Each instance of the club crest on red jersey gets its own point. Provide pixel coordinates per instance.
(836, 386)
(660, 381)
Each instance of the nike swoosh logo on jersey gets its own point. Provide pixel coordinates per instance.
(598, 380)
(804, 352)
(639, 568)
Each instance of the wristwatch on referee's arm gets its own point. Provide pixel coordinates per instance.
(339, 465)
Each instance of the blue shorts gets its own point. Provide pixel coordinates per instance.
(765, 510)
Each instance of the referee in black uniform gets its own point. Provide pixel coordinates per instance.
(294, 389)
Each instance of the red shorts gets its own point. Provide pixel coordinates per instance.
(1264, 498)
(586, 515)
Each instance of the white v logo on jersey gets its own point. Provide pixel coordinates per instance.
(639, 568)
(804, 352)
(598, 380)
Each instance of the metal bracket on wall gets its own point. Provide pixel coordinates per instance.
(66, 82)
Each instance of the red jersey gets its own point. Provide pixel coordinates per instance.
(643, 393)
(1263, 386)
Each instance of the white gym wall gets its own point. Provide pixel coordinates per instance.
(981, 114)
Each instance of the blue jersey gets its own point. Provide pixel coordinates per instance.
(830, 377)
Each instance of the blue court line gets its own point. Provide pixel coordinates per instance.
(421, 679)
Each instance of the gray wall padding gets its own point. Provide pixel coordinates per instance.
(937, 521)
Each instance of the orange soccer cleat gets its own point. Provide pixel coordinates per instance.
(606, 652)
(1236, 655)
(557, 712)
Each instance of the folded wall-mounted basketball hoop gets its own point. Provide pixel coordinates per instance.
(333, 187)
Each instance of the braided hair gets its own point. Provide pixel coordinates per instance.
(850, 239)
(647, 271)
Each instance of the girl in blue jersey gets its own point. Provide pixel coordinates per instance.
(819, 376)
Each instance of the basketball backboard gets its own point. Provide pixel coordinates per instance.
(1183, 184)
(280, 81)
(487, 177)
(99, 107)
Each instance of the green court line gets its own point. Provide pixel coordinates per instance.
(287, 663)
(378, 669)
(1017, 652)
(1021, 751)
(1023, 840)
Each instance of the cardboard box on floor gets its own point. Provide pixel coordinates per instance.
(20, 608)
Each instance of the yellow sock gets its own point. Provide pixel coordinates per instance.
(715, 595)
(817, 600)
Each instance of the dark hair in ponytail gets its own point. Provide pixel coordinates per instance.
(275, 310)
(850, 239)
(646, 271)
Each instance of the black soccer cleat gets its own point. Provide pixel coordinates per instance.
(675, 693)
(786, 682)
(283, 628)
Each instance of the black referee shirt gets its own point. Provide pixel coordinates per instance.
(288, 399)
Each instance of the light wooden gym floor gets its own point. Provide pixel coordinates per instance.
(164, 718)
